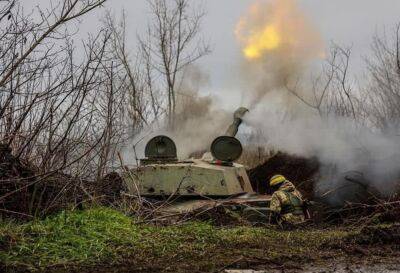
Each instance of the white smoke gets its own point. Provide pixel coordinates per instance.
(334, 141)
(290, 125)
(198, 120)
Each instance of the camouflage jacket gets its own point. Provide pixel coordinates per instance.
(287, 202)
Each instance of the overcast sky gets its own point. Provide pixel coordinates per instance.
(347, 22)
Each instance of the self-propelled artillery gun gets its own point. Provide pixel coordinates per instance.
(195, 183)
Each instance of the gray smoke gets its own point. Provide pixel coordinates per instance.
(198, 120)
(339, 144)
(346, 150)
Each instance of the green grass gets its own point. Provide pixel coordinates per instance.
(82, 236)
(102, 235)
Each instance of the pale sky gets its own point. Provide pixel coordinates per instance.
(347, 22)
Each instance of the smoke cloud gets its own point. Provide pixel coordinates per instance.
(289, 46)
(198, 120)
(279, 42)
(339, 144)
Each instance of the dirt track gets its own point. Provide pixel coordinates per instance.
(347, 265)
(343, 259)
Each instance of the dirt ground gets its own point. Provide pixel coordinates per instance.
(329, 262)
(373, 250)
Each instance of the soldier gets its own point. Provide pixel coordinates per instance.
(286, 202)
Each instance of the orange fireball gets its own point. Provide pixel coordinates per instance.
(277, 26)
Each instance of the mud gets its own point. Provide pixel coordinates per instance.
(390, 266)
(334, 268)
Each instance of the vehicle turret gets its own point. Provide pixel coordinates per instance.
(161, 174)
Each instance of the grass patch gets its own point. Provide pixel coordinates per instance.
(103, 235)
(69, 237)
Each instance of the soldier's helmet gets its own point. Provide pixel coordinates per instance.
(276, 180)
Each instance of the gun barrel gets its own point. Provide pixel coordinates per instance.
(237, 120)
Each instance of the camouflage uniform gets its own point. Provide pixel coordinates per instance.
(287, 202)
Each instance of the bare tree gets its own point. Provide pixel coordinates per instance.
(172, 43)
(383, 91)
(332, 91)
(136, 79)
(48, 104)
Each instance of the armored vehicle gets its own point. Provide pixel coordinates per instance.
(196, 183)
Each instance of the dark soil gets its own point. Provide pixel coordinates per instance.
(299, 170)
(326, 261)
